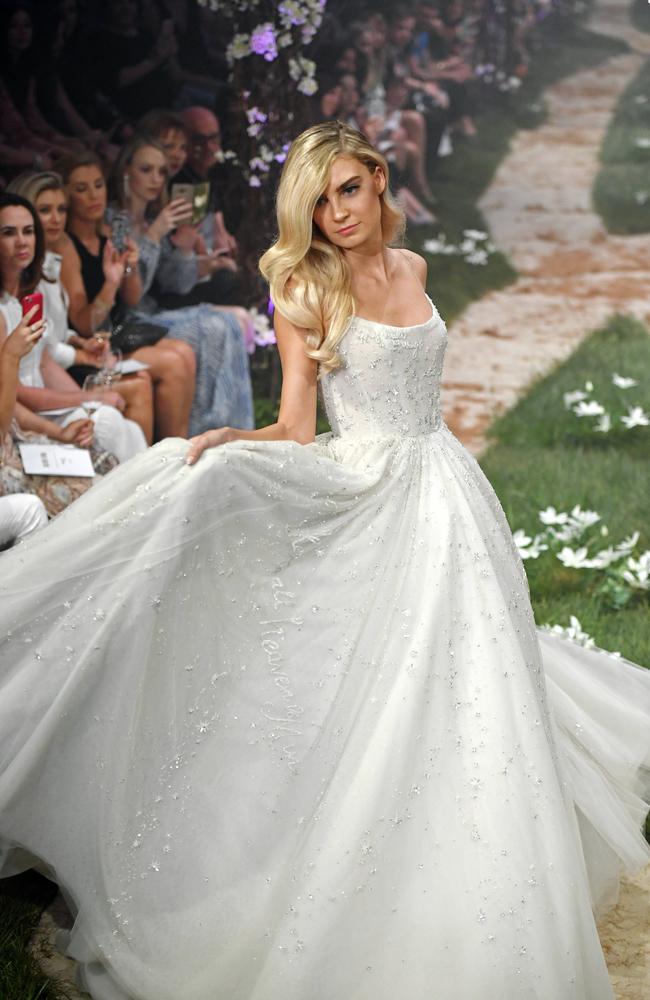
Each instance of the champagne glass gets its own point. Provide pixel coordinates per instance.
(112, 367)
(96, 385)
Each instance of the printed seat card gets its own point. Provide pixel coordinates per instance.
(55, 460)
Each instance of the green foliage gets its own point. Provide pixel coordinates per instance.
(622, 188)
(543, 455)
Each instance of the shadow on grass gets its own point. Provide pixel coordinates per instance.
(622, 188)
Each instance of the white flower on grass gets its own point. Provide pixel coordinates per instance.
(642, 142)
(521, 539)
(588, 409)
(606, 557)
(641, 197)
(573, 397)
(439, 245)
(478, 257)
(628, 543)
(574, 558)
(589, 386)
(475, 234)
(574, 631)
(604, 424)
(635, 418)
(530, 548)
(623, 382)
(584, 518)
(637, 573)
(552, 516)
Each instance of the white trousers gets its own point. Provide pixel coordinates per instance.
(20, 514)
(113, 432)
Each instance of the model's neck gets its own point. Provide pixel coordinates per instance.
(369, 261)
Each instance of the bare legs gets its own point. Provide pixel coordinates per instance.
(137, 392)
(172, 367)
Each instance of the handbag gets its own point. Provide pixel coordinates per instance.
(132, 334)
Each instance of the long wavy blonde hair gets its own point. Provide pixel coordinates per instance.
(308, 276)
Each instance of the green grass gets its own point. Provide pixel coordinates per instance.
(461, 178)
(541, 455)
(22, 900)
(622, 188)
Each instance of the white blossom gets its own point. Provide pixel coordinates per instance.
(574, 558)
(635, 418)
(552, 516)
(604, 424)
(623, 382)
(637, 573)
(588, 409)
(573, 397)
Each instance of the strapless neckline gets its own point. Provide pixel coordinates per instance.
(391, 326)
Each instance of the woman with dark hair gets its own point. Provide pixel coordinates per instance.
(122, 434)
(96, 277)
(22, 250)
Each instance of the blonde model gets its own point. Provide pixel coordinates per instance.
(293, 733)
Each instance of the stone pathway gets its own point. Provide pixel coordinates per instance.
(573, 276)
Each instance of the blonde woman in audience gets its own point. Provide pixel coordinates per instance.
(74, 353)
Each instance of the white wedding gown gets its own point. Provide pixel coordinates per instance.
(283, 728)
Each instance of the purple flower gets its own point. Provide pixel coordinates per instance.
(263, 42)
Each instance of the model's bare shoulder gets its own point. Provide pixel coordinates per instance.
(417, 264)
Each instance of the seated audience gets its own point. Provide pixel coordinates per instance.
(71, 352)
(96, 277)
(22, 248)
(43, 384)
(223, 388)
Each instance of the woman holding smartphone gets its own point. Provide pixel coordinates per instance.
(72, 352)
(22, 249)
(223, 386)
(96, 277)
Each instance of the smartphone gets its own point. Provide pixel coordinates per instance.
(198, 196)
(29, 301)
(120, 231)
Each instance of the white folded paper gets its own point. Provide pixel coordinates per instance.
(60, 412)
(55, 460)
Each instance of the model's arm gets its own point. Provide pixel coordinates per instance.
(297, 417)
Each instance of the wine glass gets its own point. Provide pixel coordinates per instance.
(112, 366)
(96, 385)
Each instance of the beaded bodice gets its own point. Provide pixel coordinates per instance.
(389, 380)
